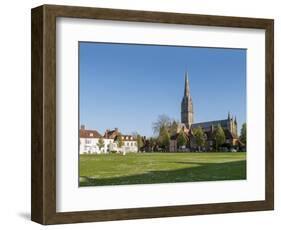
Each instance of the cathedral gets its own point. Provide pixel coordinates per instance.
(229, 126)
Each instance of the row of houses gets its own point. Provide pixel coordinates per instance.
(89, 142)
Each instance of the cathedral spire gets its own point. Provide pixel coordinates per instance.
(187, 105)
(186, 86)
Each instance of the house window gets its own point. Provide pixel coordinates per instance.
(132, 144)
(87, 141)
(128, 144)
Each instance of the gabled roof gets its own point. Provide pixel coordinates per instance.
(84, 133)
(111, 134)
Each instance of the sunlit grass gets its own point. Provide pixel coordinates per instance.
(147, 168)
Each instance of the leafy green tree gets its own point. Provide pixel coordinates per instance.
(100, 143)
(243, 134)
(119, 141)
(219, 136)
(164, 137)
(182, 139)
(199, 137)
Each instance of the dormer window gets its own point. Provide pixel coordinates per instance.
(91, 134)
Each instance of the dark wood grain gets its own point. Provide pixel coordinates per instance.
(37, 115)
(43, 116)
(43, 207)
(269, 114)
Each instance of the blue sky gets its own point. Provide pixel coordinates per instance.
(129, 86)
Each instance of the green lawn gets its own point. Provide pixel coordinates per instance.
(148, 168)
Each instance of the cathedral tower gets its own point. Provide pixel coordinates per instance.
(186, 105)
(232, 124)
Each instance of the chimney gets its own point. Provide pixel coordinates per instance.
(106, 133)
(82, 127)
(116, 129)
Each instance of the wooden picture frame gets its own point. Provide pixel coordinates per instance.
(43, 202)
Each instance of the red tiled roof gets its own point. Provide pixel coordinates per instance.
(89, 134)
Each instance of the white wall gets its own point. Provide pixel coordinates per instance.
(15, 113)
(92, 146)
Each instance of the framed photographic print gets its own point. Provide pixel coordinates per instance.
(140, 114)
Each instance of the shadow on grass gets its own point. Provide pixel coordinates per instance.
(235, 170)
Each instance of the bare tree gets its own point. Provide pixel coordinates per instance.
(162, 121)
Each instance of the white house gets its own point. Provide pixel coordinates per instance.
(89, 140)
(130, 144)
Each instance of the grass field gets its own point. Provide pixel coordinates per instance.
(149, 168)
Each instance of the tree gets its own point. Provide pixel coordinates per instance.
(199, 137)
(182, 140)
(139, 140)
(173, 128)
(219, 136)
(243, 134)
(162, 121)
(152, 143)
(164, 137)
(119, 141)
(100, 143)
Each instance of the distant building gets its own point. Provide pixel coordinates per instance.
(174, 142)
(229, 125)
(129, 142)
(89, 140)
